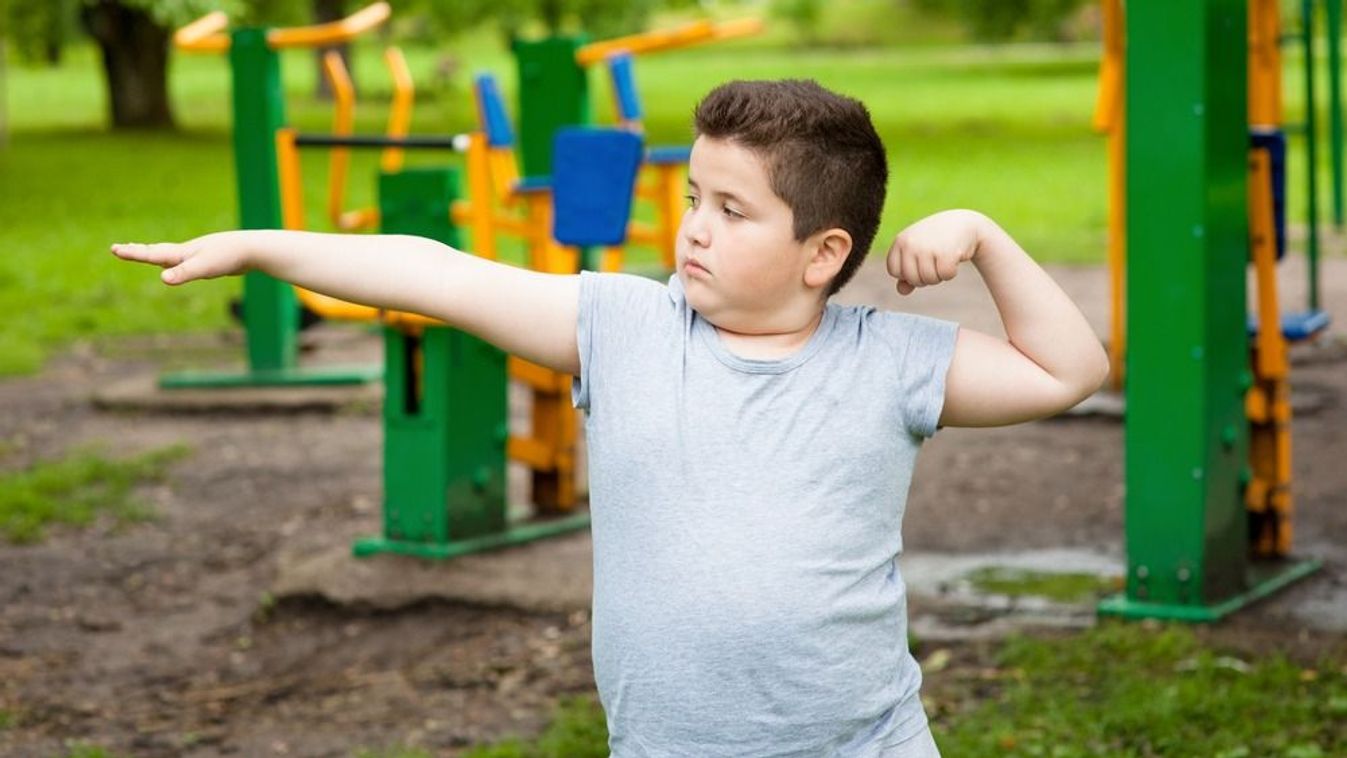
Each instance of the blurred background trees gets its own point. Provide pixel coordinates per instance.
(133, 36)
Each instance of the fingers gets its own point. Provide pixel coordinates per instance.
(919, 268)
(175, 258)
(159, 253)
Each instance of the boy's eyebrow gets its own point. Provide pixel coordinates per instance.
(721, 193)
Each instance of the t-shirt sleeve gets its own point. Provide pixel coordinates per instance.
(923, 348)
(615, 313)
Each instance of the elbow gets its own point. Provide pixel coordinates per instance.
(1094, 375)
(1101, 370)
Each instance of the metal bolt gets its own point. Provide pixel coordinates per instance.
(1184, 574)
(1197, 473)
(1143, 572)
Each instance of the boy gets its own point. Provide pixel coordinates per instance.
(750, 445)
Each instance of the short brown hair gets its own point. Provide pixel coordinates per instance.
(823, 156)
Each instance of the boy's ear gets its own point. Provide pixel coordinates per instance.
(828, 250)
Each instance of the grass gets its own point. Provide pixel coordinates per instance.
(1119, 690)
(74, 490)
(1127, 690)
(1062, 588)
(578, 730)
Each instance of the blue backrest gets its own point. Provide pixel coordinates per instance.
(491, 110)
(593, 179)
(624, 87)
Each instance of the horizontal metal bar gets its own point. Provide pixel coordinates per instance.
(456, 142)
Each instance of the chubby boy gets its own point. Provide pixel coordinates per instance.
(751, 445)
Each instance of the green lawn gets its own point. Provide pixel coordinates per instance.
(1003, 130)
(1120, 690)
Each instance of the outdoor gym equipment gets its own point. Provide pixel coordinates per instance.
(343, 119)
(554, 85)
(511, 190)
(1207, 428)
(1267, 131)
(446, 426)
(270, 312)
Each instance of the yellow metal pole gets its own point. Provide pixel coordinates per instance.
(1265, 65)
(339, 158)
(1269, 495)
(1109, 117)
(482, 216)
(400, 116)
(332, 33)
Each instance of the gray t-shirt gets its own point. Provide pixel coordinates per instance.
(746, 518)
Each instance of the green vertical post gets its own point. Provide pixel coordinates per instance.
(1186, 231)
(1334, 21)
(446, 421)
(1311, 152)
(553, 92)
(270, 311)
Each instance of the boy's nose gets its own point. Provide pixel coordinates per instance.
(694, 230)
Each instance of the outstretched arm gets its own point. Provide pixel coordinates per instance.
(523, 312)
(1052, 360)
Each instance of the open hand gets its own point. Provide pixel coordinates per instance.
(205, 257)
(930, 250)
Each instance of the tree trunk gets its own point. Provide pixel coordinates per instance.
(135, 63)
(324, 11)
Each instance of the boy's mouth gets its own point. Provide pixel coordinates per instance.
(693, 266)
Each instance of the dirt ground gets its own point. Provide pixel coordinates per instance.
(159, 639)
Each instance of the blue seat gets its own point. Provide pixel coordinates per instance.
(663, 156)
(1297, 327)
(593, 180)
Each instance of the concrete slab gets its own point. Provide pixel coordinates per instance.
(142, 393)
(548, 576)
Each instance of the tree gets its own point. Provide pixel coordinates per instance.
(1001, 20)
(133, 37)
(599, 18)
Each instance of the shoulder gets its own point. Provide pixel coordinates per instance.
(896, 331)
(612, 290)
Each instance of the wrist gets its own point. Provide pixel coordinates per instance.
(984, 230)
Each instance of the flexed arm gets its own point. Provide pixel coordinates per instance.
(1052, 360)
(526, 313)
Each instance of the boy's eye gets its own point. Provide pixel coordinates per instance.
(692, 200)
(732, 213)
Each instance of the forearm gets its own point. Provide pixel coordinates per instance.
(396, 272)
(1040, 320)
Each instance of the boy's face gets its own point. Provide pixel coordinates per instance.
(737, 255)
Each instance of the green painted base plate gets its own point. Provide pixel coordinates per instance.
(515, 534)
(318, 375)
(1264, 579)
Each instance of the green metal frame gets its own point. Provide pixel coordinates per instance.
(270, 309)
(1187, 231)
(446, 416)
(1311, 152)
(553, 93)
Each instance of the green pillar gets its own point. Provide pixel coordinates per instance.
(270, 311)
(446, 416)
(553, 92)
(1311, 152)
(1187, 238)
(270, 307)
(1333, 11)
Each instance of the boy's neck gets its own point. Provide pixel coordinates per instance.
(773, 345)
